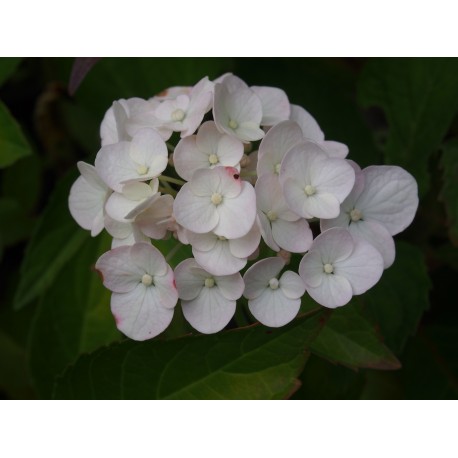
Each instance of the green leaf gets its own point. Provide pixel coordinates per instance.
(349, 339)
(14, 223)
(449, 193)
(7, 67)
(56, 239)
(13, 145)
(397, 302)
(420, 99)
(73, 317)
(247, 363)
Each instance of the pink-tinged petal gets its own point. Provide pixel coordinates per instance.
(86, 204)
(139, 313)
(223, 180)
(307, 123)
(149, 258)
(229, 151)
(293, 236)
(272, 308)
(335, 149)
(113, 126)
(230, 286)
(198, 214)
(237, 215)
(275, 104)
(378, 236)
(311, 269)
(292, 285)
(277, 142)
(198, 106)
(219, 260)
(335, 244)
(166, 289)
(208, 137)
(266, 231)
(334, 291)
(231, 82)
(118, 206)
(120, 273)
(209, 312)
(114, 165)
(246, 245)
(333, 176)
(134, 237)
(154, 221)
(249, 132)
(363, 268)
(190, 279)
(149, 149)
(89, 173)
(269, 197)
(390, 197)
(257, 277)
(187, 158)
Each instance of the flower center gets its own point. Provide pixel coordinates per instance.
(147, 280)
(142, 169)
(355, 215)
(213, 159)
(273, 283)
(277, 168)
(309, 190)
(271, 215)
(178, 115)
(328, 268)
(209, 282)
(216, 198)
(233, 124)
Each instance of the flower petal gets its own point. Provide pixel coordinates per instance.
(257, 277)
(190, 279)
(272, 308)
(209, 312)
(275, 104)
(293, 236)
(307, 123)
(292, 285)
(334, 291)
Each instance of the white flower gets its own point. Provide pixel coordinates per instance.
(277, 142)
(216, 200)
(275, 104)
(142, 159)
(185, 112)
(280, 227)
(221, 256)
(208, 149)
(208, 301)
(311, 131)
(383, 203)
(144, 292)
(314, 184)
(339, 266)
(273, 301)
(87, 199)
(155, 220)
(237, 110)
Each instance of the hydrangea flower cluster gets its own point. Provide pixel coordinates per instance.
(250, 173)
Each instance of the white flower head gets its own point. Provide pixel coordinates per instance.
(208, 149)
(273, 300)
(185, 112)
(216, 200)
(237, 110)
(382, 203)
(339, 266)
(142, 159)
(221, 256)
(87, 199)
(314, 184)
(280, 227)
(208, 301)
(143, 286)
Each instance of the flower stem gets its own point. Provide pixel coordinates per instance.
(251, 173)
(166, 179)
(168, 190)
